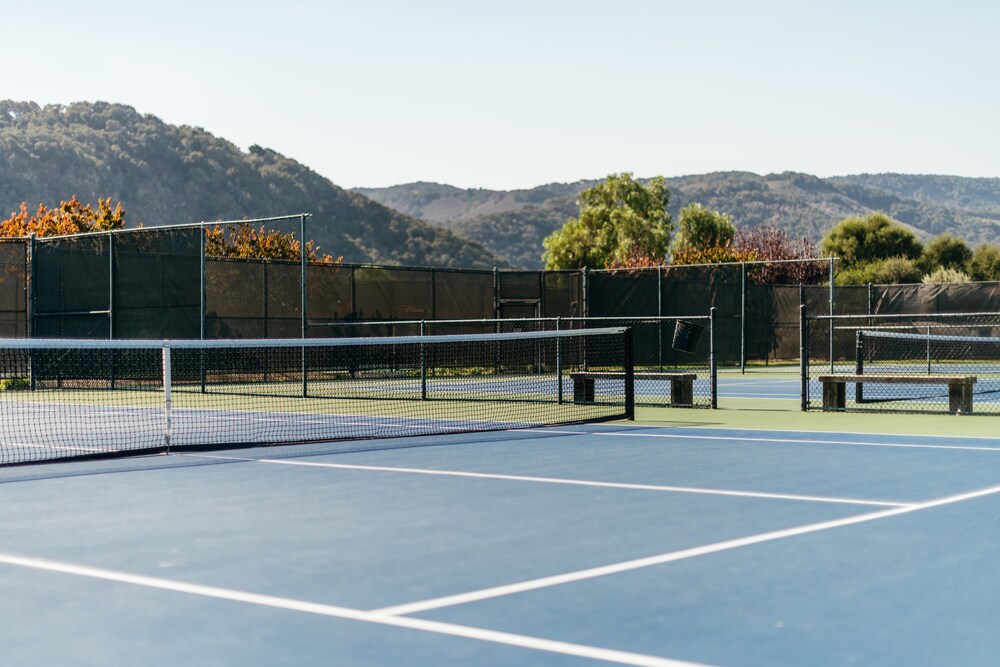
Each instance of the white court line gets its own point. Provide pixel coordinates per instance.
(670, 557)
(794, 441)
(802, 442)
(288, 604)
(578, 482)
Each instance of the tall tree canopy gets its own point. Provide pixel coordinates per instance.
(946, 252)
(700, 227)
(875, 237)
(620, 218)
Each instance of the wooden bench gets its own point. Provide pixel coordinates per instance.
(959, 388)
(681, 384)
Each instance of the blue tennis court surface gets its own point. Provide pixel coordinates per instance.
(598, 544)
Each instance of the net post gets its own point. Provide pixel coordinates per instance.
(712, 367)
(859, 365)
(167, 399)
(628, 360)
(803, 358)
(423, 361)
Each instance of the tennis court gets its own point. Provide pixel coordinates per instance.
(687, 537)
(462, 502)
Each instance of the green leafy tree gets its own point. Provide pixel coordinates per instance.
(985, 262)
(943, 274)
(891, 271)
(620, 219)
(857, 241)
(946, 252)
(700, 228)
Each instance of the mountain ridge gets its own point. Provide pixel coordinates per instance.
(167, 174)
(801, 204)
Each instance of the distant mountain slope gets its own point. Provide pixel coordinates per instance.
(166, 175)
(434, 202)
(801, 204)
(980, 195)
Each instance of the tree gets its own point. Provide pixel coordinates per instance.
(620, 219)
(891, 271)
(946, 252)
(773, 244)
(856, 241)
(700, 227)
(943, 274)
(985, 262)
(238, 240)
(70, 217)
(245, 242)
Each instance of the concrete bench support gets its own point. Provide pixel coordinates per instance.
(681, 384)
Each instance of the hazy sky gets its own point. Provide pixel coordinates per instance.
(516, 94)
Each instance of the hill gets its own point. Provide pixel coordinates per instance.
(978, 195)
(802, 204)
(165, 175)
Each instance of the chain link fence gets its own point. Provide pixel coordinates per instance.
(913, 362)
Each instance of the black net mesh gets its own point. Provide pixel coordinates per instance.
(915, 362)
(64, 399)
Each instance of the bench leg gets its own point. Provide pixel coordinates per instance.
(960, 398)
(682, 392)
(583, 390)
(834, 395)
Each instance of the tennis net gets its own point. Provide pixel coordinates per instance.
(905, 358)
(84, 398)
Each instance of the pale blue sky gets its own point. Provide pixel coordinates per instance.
(517, 94)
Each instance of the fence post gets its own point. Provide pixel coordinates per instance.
(423, 362)
(743, 317)
(30, 300)
(111, 287)
(629, 363)
(859, 364)
(204, 309)
(831, 312)
(204, 284)
(111, 302)
(496, 293)
(31, 304)
(659, 314)
(559, 374)
(713, 368)
(167, 403)
(803, 358)
(302, 299)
